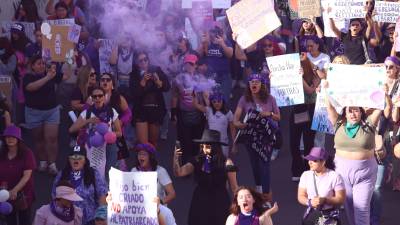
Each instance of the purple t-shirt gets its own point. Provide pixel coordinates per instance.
(269, 105)
(327, 184)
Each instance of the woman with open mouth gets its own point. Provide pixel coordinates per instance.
(247, 209)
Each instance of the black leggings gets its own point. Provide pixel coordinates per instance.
(21, 217)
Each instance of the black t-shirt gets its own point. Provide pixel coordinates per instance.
(45, 97)
(384, 49)
(353, 48)
(256, 60)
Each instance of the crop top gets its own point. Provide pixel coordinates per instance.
(363, 141)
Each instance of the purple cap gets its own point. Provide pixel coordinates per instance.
(256, 76)
(218, 96)
(393, 59)
(317, 153)
(146, 147)
(13, 131)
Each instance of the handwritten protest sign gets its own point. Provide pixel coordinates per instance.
(97, 158)
(347, 9)
(105, 50)
(320, 120)
(356, 85)
(202, 14)
(6, 87)
(61, 22)
(251, 20)
(132, 198)
(341, 23)
(286, 82)
(387, 12)
(55, 43)
(29, 29)
(397, 29)
(309, 8)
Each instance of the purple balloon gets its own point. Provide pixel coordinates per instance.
(5, 208)
(102, 128)
(110, 137)
(96, 140)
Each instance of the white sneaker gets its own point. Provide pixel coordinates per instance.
(52, 169)
(295, 179)
(42, 166)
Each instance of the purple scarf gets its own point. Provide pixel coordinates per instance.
(64, 214)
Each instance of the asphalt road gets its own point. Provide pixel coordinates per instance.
(284, 190)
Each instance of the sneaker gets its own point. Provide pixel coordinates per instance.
(42, 166)
(295, 179)
(52, 169)
(274, 154)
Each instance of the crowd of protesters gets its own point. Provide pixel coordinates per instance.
(161, 85)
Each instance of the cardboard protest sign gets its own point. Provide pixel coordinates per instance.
(105, 50)
(6, 87)
(341, 23)
(55, 44)
(29, 29)
(251, 20)
(356, 85)
(387, 12)
(61, 22)
(286, 81)
(397, 30)
(133, 196)
(347, 9)
(309, 8)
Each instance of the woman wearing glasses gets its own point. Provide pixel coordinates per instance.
(210, 201)
(87, 182)
(147, 83)
(80, 99)
(99, 112)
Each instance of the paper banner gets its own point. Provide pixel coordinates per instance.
(347, 9)
(397, 30)
(29, 29)
(357, 85)
(387, 12)
(56, 46)
(62, 22)
(105, 50)
(73, 33)
(133, 196)
(341, 24)
(6, 87)
(286, 81)
(251, 20)
(309, 8)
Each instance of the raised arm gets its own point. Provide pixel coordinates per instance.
(334, 28)
(181, 171)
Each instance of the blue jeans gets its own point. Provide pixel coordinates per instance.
(261, 170)
(376, 201)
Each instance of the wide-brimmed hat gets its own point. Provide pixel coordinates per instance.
(210, 137)
(317, 153)
(67, 193)
(13, 131)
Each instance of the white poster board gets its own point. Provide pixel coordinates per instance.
(133, 196)
(286, 80)
(105, 50)
(347, 9)
(357, 85)
(341, 24)
(387, 12)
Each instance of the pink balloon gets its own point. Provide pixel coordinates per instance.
(110, 137)
(96, 140)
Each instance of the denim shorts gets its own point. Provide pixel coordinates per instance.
(35, 118)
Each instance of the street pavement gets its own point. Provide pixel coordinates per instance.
(284, 190)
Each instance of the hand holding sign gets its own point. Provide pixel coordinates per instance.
(46, 30)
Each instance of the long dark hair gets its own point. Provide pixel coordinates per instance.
(258, 201)
(31, 11)
(152, 159)
(9, 51)
(21, 43)
(88, 173)
(115, 98)
(329, 163)
(218, 159)
(22, 148)
(263, 94)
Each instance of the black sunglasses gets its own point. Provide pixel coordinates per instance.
(97, 96)
(105, 79)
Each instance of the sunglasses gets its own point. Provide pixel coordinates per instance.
(76, 157)
(97, 96)
(143, 60)
(389, 67)
(105, 79)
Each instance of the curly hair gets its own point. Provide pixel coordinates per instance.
(258, 201)
(263, 94)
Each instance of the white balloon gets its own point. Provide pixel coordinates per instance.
(45, 28)
(4, 195)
